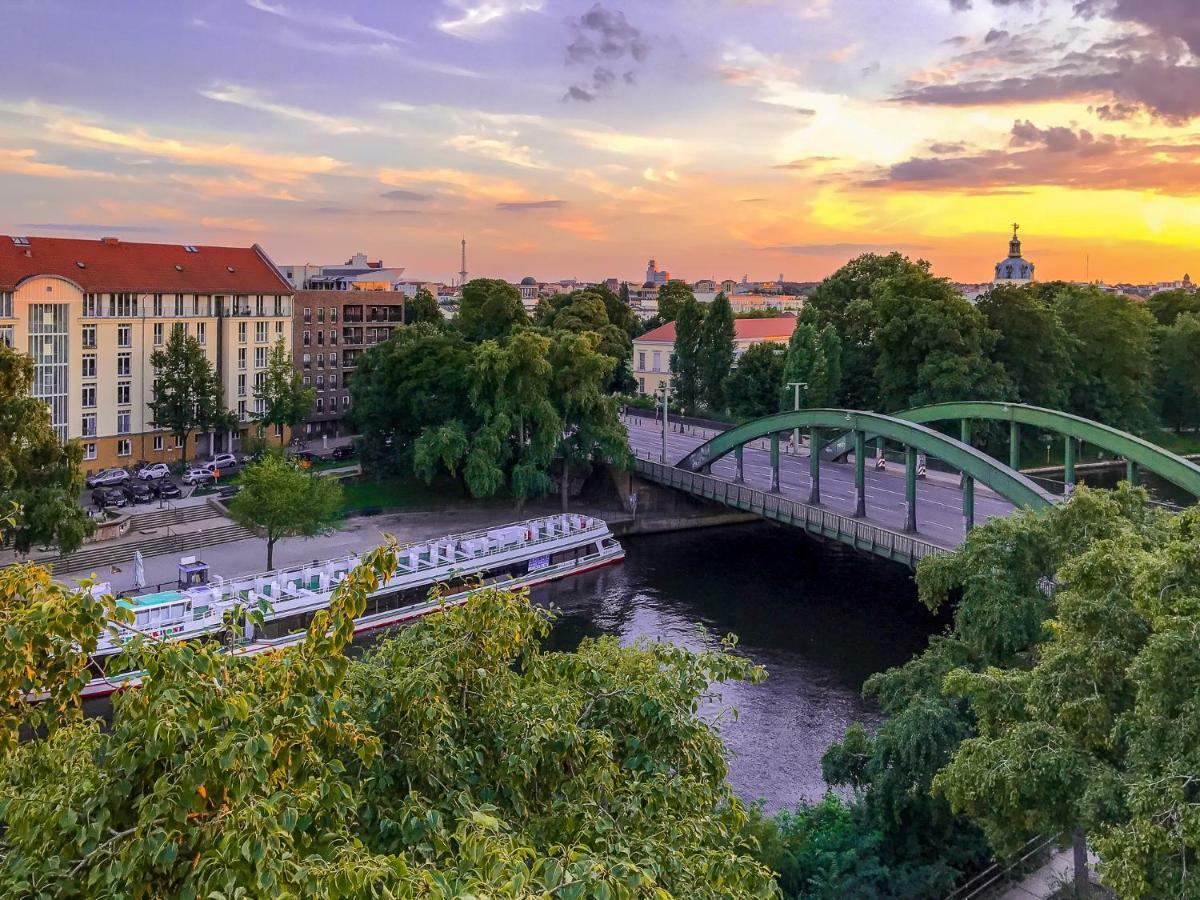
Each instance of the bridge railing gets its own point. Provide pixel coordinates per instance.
(858, 533)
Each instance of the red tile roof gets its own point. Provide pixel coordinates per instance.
(109, 264)
(778, 328)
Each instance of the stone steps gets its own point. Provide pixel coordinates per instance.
(100, 557)
(175, 516)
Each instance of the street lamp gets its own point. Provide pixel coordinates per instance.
(665, 389)
(796, 385)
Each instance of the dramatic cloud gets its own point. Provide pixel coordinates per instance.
(1058, 157)
(532, 204)
(604, 41)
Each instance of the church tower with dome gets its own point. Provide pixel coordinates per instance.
(1015, 269)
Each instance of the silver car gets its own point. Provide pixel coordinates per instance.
(108, 478)
(154, 472)
(198, 476)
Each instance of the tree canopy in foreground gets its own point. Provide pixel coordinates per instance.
(457, 758)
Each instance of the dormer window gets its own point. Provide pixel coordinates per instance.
(21, 241)
(81, 263)
(178, 268)
(229, 269)
(189, 248)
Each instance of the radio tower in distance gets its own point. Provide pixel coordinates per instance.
(462, 273)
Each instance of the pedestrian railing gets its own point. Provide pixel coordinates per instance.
(856, 532)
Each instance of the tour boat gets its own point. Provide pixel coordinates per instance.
(513, 556)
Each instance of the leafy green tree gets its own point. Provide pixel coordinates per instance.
(624, 293)
(283, 500)
(589, 310)
(1112, 359)
(187, 392)
(715, 352)
(933, 346)
(456, 758)
(752, 389)
(813, 358)
(1167, 306)
(845, 301)
(1178, 372)
(671, 298)
(422, 307)
(768, 313)
(38, 472)
(286, 401)
(1031, 344)
(685, 356)
(490, 308)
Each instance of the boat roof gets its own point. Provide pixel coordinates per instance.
(148, 600)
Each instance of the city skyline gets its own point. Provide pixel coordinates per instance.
(569, 138)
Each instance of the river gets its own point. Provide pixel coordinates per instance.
(820, 618)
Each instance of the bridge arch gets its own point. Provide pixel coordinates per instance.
(974, 464)
(1136, 451)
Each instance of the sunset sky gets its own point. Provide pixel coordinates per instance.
(579, 138)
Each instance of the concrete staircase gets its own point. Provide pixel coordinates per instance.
(159, 518)
(100, 556)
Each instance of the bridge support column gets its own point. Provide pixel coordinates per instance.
(775, 462)
(1014, 445)
(1069, 463)
(964, 431)
(910, 489)
(740, 477)
(814, 466)
(968, 489)
(860, 480)
(1131, 471)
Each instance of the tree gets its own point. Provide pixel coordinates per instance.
(845, 301)
(624, 294)
(685, 356)
(284, 501)
(39, 474)
(1112, 359)
(458, 757)
(490, 308)
(1178, 372)
(933, 346)
(590, 310)
(671, 298)
(286, 401)
(715, 352)
(1167, 306)
(752, 389)
(187, 393)
(1031, 344)
(813, 358)
(422, 307)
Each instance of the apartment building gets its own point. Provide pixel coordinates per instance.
(652, 351)
(91, 312)
(330, 330)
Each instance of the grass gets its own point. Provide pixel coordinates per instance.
(362, 494)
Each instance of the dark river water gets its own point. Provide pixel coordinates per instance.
(819, 618)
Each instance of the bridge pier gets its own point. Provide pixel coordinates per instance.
(1014, 445)
(968, 489)
(1131, 471)
(740, 477)
(910, 488)
(774, 462)
(964, 431)
(814, 465)
(860, 480)
(1069, 463)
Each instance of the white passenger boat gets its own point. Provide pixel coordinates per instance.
(513, 556)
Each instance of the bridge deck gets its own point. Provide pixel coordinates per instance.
(939, 499)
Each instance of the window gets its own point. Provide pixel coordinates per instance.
(179, 304)
(657, 360)
(241, 357)
(307, 316)
(320, 404)
(89, 365)
(333, 379)
(260, 406)
(6, 335)
(124, 447)
(333, 315)
(89, 425)
(241, 385)
(89, 451)
(279, 329)
(124, 335)
(122, 304)
(258, 305)
(320, 360)
(123, 420)
(158, 334)
(124, 364)
(241, 332)
(641, 385)
(321, 338)
(260, 331)
(641, 361)
(158, 305)
(345, 401)
(202, 333)
(89, 396)
(158, 442)
(260, 381)
(333, 360)
(320, 382)
(91, 305)
(242, 410)
(260, 357)
(89, 335)
(307, 338)
(123, 393)
(321, 315)
(307, 360)
(307, 381)
(332, 337)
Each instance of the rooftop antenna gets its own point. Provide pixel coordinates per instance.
(462, 273)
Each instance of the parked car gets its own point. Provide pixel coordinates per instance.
(345, 451)
(104, 497)
(137, 492)
(198, 476)
(222, 461)
(165, 488)
(108, 478)
(154, 472)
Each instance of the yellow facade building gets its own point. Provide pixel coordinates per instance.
(91, 312)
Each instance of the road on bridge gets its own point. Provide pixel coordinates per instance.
(939, 498)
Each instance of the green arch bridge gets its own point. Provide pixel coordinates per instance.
(903, 514)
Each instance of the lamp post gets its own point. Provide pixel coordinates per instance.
(796, 385)
(665, 387)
